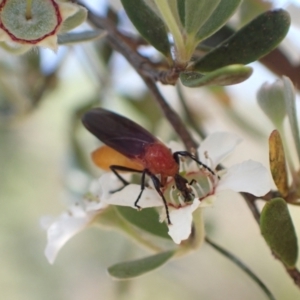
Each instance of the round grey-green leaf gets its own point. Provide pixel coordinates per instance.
(218, 18)
(224, 76)
(278, 230)
(251, 42)
(148, 24)
(79, 37)
(135, 268)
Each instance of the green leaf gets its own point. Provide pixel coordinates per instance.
(253, 41)
(181, 10)
(79, 37)
(278, 163)
(146, 219)
(278, 230)
(218, 18)
(75, 20)
(197, 12)
(149, 25)
(224, 76)
(290, 103)
(135, 268)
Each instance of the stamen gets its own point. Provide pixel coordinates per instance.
(200, 189)
(180, 199)
(211, 164)
(211, 184)
(183, 164)
(194, 193)
(171, 196)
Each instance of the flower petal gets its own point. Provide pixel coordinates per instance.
(129, 194)
(249, 176)
(49, 42)
(217, 146)
(67, 9)
(66, 226)
(108, 183)
(181, 219)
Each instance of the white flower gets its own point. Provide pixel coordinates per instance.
(249, 176)
(78, 217)
(205, 185)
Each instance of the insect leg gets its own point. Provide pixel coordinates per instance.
(142, 189)
(157, 186)
(188, 154)
(145, 172)
(115, 169)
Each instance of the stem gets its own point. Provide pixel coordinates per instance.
(242, 266)
(28, 13)
(251, 201)
(171, 115)
(188, 114)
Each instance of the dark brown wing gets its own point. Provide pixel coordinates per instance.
(118, 132)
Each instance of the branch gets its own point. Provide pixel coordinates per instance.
(278, 63)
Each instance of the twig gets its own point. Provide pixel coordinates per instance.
(278, 63)
(242, 266)
(188, 114)
(171, 115)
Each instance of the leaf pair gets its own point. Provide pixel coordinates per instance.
(196, 20)
(224, 65)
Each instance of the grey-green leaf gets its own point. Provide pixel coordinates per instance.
(251, 42)
(181, 11)
(135, 268)
(278, 230)
(218, 18)
(146, 219)
(149, 25)
(224, 76)
(197, 12)
(79, 37)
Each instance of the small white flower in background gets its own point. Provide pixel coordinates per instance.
(249, 176)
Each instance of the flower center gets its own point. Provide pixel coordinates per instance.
(200, 184)
(44, 20)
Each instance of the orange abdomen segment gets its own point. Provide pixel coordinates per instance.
(104, 157)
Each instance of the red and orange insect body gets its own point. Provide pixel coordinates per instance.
(131, 148)
(104, 157)
(159, 160)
